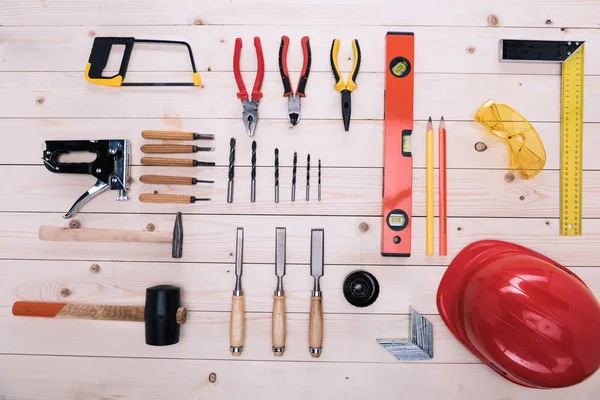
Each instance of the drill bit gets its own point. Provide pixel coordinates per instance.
(294, 176)
(253, 174)
(231, 162)
(276, 175)
(307, 177)
(319, 181)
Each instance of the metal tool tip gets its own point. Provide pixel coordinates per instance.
(254, 144)
(276, 151)
(294, 118)
(442, 118)
(232, 141)
(429, 119)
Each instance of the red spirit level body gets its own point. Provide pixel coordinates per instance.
(397, 158)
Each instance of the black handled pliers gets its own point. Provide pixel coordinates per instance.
(294, 98)
(345, 88)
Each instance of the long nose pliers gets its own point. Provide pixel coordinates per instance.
(345, 89)
(250, 104)
(294, 98)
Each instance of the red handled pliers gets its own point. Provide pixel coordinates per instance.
(294, 98)
(250, 105)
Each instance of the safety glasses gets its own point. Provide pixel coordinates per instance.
(527, 153)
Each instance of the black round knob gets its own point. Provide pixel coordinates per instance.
(361, 289)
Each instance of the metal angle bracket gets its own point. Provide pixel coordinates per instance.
(418, 346)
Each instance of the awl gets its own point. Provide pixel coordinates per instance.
(315, 332)
(278, 322)
(171, 180)
(175, 135)
(170, 198)
(175, 162)
(237, 322)
(173, 148)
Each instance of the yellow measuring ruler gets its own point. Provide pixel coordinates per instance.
(571, 55)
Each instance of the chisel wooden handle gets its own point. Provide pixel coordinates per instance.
(315, 333)
(168, 148)
(168, 162)
(82, 311)
(236, 326)
(167, 198)
(167, 180)
(278, 327)
(167, 135)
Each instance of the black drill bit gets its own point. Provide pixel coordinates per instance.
(307, 177)
(319, 181)
(231, 162)
(253, 174)
(276, 175)
(295, 164)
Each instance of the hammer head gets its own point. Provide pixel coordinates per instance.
(178, 237)
(163, 315)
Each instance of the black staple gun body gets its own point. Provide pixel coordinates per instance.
(110, 166)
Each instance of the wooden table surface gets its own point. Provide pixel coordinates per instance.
(44, 47)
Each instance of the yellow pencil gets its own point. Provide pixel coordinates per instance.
(429, 188)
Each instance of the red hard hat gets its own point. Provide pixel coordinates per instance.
(529, 318)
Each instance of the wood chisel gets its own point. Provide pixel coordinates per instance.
(173, 148)
(315, 331)
(176, 135)
(278, 322)
(171, 180)
(237, 323)
(397, 164)
(571, 55)
(171, 198)
(175, 162)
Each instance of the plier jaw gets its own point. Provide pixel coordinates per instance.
(294, 98)
(294, 108)
(345, 88)
(346, 109)
(250, 115)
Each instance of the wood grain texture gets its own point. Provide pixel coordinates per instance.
(278, 322)
(315, 329)
(56, 234)
(165, 198)
(166, 180)
(167, 148)
(167, 162)
(167, 135)
(237, 324)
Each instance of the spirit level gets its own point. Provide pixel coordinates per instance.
(101, 51)
(571, 55)
(397, 158)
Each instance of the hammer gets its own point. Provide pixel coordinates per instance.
(162, 314)
(55, 234)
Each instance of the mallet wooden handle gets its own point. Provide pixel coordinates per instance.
(168, 162)
(82, 311)
(315, 334)
(278, 327)
(167, 135)
(55, 234)
(167, 180)
(237, 325)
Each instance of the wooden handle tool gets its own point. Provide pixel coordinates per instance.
(55, 234)
(315, 331)
(278, 320)
(173, 148)
(174, 135)
(82, 311)
(170, 198)
(171, 180)
(175, 162)
(237, 322)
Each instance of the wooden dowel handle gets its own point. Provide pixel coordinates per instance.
(167, 180)
(236, 327)
(81, 311)
(167, 162)
(315, 334)
(167, 148)
(167, 135)
(278, 327)
(165, 198)
(55, 234)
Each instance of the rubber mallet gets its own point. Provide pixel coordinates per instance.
(162, 315)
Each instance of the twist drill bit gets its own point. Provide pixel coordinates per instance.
(231, 162)
(294, 176)
(276, 175)
(319, 181)
(253, 174)
(307, 177)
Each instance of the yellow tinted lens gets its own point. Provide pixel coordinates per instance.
(527, 153)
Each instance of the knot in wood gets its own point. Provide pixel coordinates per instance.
(509, 177)
(95, 268)
(39, 100)
(212, 378)
(74, 224)
(492, 20)
(480, 146)
(363, 227)
(150, 227)
(65, 292)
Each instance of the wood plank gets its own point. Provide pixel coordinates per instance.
(528, 13)
(358, 148)
(455, 96)
(345, 191)
(471, 50)
(24, 377)
(349, 240)
(208, 286)
(205, 335)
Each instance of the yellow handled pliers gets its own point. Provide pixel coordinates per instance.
(345, 88)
